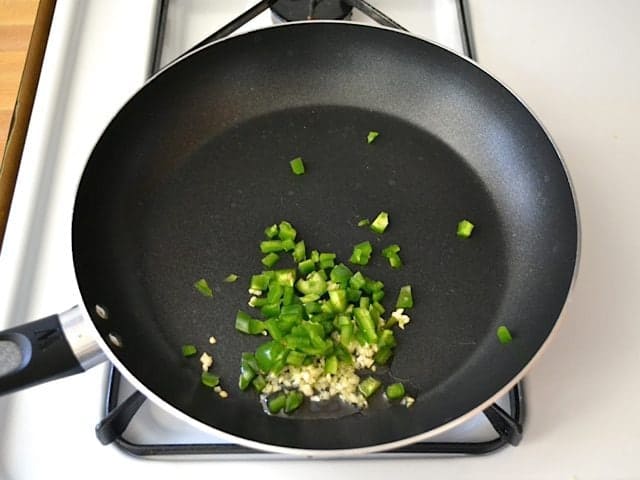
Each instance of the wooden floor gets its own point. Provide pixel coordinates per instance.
(16, 22)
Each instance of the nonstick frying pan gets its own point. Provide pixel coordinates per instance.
(187, 175)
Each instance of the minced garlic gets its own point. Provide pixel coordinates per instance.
(206, 360)
(402, 319)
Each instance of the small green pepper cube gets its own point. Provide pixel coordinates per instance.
(293, 401)
(372, 135)
(270, 259)
(209, 379)
(203, 287)
(405, 297)
(395, 391)
(465, 227)
(286, 231)
(297, 166)
(380, 223)
(189, 350)
(368, 386)
(299, 252)
(504, 335)
(271, 231)
(277, 403)
(361, 253)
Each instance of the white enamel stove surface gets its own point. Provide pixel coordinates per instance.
(581, 78)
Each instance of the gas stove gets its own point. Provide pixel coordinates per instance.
(99, 54)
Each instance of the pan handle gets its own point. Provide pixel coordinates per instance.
(46, 349)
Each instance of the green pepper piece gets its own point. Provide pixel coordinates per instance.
(287, 295)
(288, 244)
(312, 307)
(189, 350)
(295, 358)
(331, 365)
(314, 283)
(364, 222)
(232, 277)
(341, 274)
(203, 287)
(391, 254)
(306, 266)
(259, 282)
(259, 383)
(338, 299)
(465, 227)
(247, 374)
(299, 252)
(353, 295)
(277, 403)
(309, 298)
(394, 248)
(361, 253)
(271, 231)
(297, 166)
(504, 335)
(271, 246)
(267, 354)
(357, 281)
(285, 277)
(326, 260)
(364, 302)
(293, 401)
(395, 391)
(275, 292)
(258, 302)
(346, 334)
(293, 311)
(386, 338)
(377, 296)
(372, 135)
(371, 286)
(272, 325)
(343, 354)
(368, 386)
(249, 360)
(378, 306)
(270, 259)
(405, 297)
(270, 310)
(380, 224)
(246, 324)
(286, 231)
(383, 355)
(209, 379)
(366, 324)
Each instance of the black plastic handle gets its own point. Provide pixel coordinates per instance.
(34, 353)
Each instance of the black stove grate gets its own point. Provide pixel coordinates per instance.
(508, 425)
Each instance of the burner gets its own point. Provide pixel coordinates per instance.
(294, 10)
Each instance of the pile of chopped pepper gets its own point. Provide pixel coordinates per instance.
(319, 313)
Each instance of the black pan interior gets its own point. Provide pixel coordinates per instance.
(189, 173)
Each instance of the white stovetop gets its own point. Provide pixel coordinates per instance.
(575, 63)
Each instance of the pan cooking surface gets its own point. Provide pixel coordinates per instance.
(208, 218)
(191, 171)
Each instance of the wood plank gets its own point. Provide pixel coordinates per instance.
(24, 27)
(16, 24)
(15, 38)
(18, 12)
